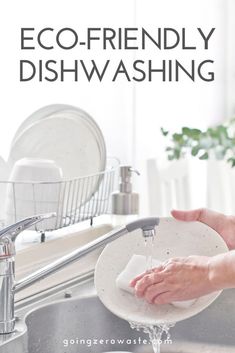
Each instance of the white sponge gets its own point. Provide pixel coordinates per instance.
(135, 267)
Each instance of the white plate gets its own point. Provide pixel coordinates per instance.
(173, 239)
(69, 136)
(52, 109)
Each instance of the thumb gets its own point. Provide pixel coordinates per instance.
(188, 216)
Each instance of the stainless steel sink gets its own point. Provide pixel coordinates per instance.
(85, 325)
(73, 320)
(214, 325)
(78, 326)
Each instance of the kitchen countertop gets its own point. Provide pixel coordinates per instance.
(33, 258)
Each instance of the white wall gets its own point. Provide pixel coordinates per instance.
(230, 58)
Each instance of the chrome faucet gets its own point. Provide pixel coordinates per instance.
(8, 287)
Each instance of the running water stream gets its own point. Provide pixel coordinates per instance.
(149, 243)
(158, 333)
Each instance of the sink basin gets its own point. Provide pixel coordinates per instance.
(85, 325)
(73, 320)
(84, 320)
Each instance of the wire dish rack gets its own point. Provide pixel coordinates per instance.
(74, 200)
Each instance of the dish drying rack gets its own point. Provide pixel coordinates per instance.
(73, 201)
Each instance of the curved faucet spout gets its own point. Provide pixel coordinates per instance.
(146, 224)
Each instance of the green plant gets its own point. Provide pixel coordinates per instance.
(218, 141)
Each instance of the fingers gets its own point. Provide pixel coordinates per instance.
(153, 291)
(148, 280)
(213, 219)
(172, 261)
(163, 298)
(188, 216)
(136, 279)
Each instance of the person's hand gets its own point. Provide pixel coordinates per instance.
(176, 280)
(186, 278)
(224, 225)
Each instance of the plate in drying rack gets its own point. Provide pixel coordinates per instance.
(173, 239)
(67, 135)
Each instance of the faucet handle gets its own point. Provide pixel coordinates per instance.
(13, 230)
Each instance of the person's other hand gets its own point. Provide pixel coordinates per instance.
(224, 225)
(176, 280)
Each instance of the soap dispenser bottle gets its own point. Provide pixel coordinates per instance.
(125, 203)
